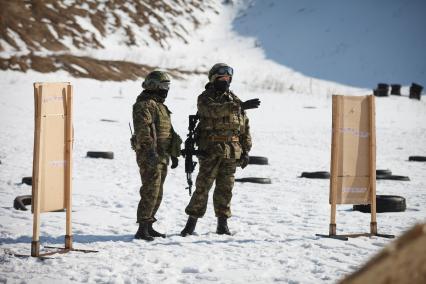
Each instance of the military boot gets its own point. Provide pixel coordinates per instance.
(222, 226)
(142, 233)
(189, 227)
(154, 233)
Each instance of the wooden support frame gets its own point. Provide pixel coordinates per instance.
(338, 162)
(53, 115)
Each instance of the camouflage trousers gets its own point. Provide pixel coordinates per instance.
(213, 169)
(151, 191)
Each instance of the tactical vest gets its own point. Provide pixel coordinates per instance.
(163, 129)
(232, 124)
(224, 131)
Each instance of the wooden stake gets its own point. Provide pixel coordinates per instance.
(372, 107)
(36, 185)
(333, 166)
(68, 173)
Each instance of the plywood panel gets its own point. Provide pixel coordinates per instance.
(352, 150)
(52, 163)
(354, 134)
(353, 190)
(53, 171)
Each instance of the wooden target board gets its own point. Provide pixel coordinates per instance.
(353, 150)
(353, 158)
(52, 162)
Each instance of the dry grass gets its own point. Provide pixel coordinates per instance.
(84, 67)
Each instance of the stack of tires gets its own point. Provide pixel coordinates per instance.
(382, 90)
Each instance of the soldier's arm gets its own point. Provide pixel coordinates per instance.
(143, 117)
(246, 142)
(208, 108)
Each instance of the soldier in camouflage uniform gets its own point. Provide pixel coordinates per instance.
(155, 143)
(224, 138)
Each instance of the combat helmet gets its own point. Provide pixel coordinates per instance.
(156, 80)
(220, 69)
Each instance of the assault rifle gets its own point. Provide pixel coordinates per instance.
(189, 151)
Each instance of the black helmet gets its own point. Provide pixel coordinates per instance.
(220, 69)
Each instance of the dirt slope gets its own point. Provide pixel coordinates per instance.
(31, 29)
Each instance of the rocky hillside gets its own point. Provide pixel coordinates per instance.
(51, 35)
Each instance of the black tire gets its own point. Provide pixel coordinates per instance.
(393, 177)
(98, 154)
(21, 201)
(27, 180)
(326, 175)
(384, 203)
(415, 91)
(254, 180)
(321, 175)
(417, 158)
(257, 160)
(396, 89)
(383, 172)
(380, 93)
(382, 86)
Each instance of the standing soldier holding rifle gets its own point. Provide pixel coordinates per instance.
(155, 143)
(224, 141)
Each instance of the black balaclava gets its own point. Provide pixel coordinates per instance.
(221, 85)
(163, 94)
(158, 95)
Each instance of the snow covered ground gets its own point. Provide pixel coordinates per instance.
(274, 225)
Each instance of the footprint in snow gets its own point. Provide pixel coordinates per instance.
(190, 270)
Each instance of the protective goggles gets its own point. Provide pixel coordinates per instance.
(164, 85)
(224, 70)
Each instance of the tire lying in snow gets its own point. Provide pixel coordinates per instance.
(98, 154)
(326, 175)
(417, 158)
(383, 172)
(254, 180)
(27, 180)
(258, 160)
(384, 203)
(21, 201)
(393, 177)
(322, 175)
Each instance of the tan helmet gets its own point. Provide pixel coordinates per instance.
(156, 80)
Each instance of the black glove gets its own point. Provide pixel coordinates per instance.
(152, 158)
(175, 162)
(253, 103)
(244, 160)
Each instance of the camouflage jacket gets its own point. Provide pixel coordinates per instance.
(221, 118)
(153, 128)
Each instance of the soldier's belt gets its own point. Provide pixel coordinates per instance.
(219, 138)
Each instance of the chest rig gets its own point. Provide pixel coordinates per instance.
(221, 135)
(229, 125)
(163, 129)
